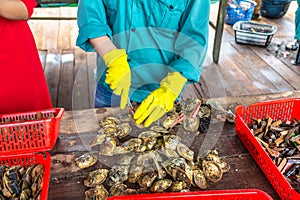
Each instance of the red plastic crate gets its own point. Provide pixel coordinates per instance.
(284, 109)
(242, 194)
(31, 135)
(30, 159)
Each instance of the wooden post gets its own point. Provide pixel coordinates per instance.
(219, 30)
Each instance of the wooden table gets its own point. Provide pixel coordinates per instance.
(78, 127)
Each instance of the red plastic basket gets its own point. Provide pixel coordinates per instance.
(284, 109)
(30, 159)
(30, 135)
(242, 194)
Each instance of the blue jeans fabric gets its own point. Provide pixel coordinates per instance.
(105, 97)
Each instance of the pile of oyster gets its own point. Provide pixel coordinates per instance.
(154, 159)
(21, 183)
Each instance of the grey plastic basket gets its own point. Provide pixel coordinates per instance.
(252, 33)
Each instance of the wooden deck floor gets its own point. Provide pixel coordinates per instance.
(242, 69)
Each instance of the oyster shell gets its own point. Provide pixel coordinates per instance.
(212, 171)
(99, 193)
(147, 178)
(95, 177)
(108, 147)
(191, 123)
(185, 152)
(117, 174)
(178, 186)
(170, 120)
(112, 121)
(199, 178)
(161, 185)
(117, 189)
(189, 104)
(86, 160)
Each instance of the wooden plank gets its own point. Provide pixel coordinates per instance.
(45, 12)
(262, 77)
(287, 61)
(229, 70)
(66, 12)
(49, 36)
(66, 80)
(213, 81)
(43, 55)
(73, 34)
(92, 67)
(280, 67)
(190, 92)
(37, 29)
(55, 1)
(52, 72)
(81, 83)
(55, 13)
(202, 88)
(79, 56)
(64, 34)
(251, 99)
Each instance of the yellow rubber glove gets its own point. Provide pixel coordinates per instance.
(160, 100)
(118, 75)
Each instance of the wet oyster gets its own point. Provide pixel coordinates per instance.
(96, 177)
(108, 147)
(199, 178)
(86, 160)
(191, 123)
(117, 174)
(185, 152)
(212, 171)
(99, 193)
(161, 185)
(117, 189)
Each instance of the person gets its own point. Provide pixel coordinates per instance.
(23, 84)
(256, 12)
(297, 23)
(147, 50)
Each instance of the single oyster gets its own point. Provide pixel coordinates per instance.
(212, 171)
(161, 185)
(199, 178)
(98, 193)
(86, 160)
(95, 177)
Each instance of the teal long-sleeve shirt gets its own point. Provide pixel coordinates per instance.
(159, 36)
(297, 22)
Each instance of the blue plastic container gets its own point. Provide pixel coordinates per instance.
(239, 10)
(274, 9)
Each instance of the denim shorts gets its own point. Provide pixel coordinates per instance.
(105, 97)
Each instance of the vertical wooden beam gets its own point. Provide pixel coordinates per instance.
(66, 80)
(219, 30)
(52, 72)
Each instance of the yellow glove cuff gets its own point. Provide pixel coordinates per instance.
(113, 55)
(174, 82)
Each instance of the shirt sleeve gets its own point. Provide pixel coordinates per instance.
(30, 5)
(192, 40)
(92, 23)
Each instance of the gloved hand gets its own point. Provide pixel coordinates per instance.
(118, 75)
(160, 100)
